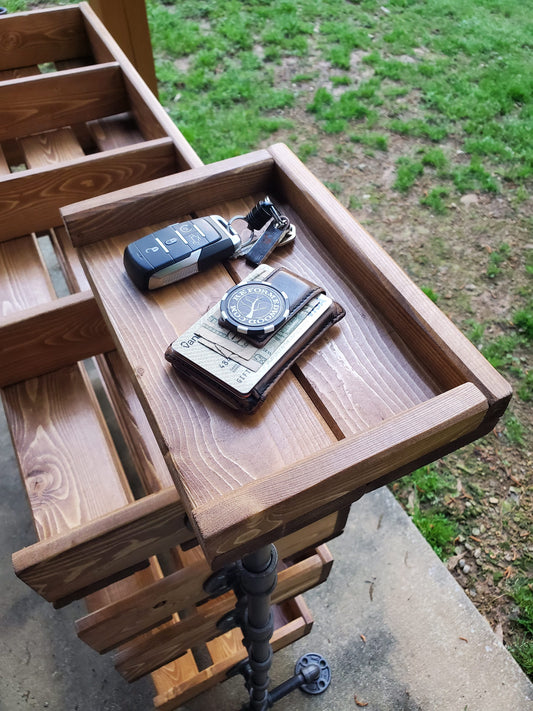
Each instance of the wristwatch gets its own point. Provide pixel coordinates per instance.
(258, 309)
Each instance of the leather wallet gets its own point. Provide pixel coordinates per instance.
(239, 372)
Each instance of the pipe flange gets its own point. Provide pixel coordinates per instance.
(314, 668)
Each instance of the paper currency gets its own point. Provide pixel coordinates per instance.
(231, 359)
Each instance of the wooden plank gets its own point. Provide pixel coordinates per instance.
(30, 201)
(128, 23)
(51, 148)
(124, 619)
(142, 445)
(446, 352)
(259, 511)
(175, 687)
(151, 118)
(29, 38)
(139, 658)
(166, 199)
(50, 336)
(115, 131)
(225, 456)
(52, 420)
(39, 103)
(24, 281)
(103, 545)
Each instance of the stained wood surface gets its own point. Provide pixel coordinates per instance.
(216, 447)
(64, 488)
(122, 620)
(384, 366)
(30, 200)
(38, 103)
(48, 338)
(138, 658)
(108, 543)
(167, 199)
(176, 683)
(21, 264)
(34, 38)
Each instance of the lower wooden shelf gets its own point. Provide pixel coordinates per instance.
(182, 680)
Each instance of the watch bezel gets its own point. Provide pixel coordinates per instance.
(229, 321)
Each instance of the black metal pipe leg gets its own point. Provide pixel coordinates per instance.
(253, 581)
(258, 581)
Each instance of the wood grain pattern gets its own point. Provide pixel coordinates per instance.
(143, 447)
(176, 686)
(38, 103)
(360, 373)
(166, 199)
(139, 658)
(51, 148)
(30, 201)
(122, 620)
(261, 510)
(21, 264)
(29, 38)
(215, 446)
(102, 546)
(48, 337)
(52, 419)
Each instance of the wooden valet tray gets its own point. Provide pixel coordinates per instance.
(394, 385)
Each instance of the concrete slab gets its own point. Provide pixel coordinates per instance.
(398, 632)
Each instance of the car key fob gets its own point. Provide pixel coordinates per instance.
(179, 250)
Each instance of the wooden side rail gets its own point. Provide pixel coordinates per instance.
(46, 337)
(30, 38)
(63, 567)
(30, 200)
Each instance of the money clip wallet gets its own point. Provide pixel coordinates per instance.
(235, 364)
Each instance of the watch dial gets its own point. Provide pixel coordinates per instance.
(254, 307)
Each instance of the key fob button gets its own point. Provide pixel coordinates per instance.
(177, 248)
(153, 252)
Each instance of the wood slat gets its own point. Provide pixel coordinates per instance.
(139, 658)
(47, 337)
(258, 511)
(24, 281)
(30, 38)
(104, 545)
(39, 103)
(52, 420)
(51, 148)
(121, 621)
(166, 199)
(30, 201)
(148, 459)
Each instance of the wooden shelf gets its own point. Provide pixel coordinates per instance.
(392, 386)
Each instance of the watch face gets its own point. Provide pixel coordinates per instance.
(256, 308)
